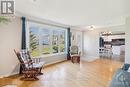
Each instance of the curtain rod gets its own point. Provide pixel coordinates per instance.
(56, 25)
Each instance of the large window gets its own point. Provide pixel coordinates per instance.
(46, 40)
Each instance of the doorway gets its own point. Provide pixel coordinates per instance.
(112, 45)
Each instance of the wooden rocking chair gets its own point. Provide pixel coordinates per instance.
(39, 65)
(29, 69)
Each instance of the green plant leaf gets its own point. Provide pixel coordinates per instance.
(4, 19)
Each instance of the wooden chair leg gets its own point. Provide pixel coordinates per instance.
(72, 59)
(30, 75)
(40, 71)
(78, 59)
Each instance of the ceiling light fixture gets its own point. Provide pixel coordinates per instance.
(32, 1)
(106, 33)
(91, 27)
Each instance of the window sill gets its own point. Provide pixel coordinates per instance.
(50, 55)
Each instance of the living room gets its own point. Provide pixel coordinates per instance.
(48, 30)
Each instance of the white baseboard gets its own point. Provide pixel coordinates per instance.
(7, 75)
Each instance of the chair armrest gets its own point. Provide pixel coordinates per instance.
(36, 60)
(27, 62)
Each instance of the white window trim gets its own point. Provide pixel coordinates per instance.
(51, 53)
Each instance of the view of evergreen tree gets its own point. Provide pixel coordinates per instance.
(33, 41)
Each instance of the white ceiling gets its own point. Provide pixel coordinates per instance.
(78, 13)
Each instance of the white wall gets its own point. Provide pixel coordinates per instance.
(10, 38)
(91, 41)
(127, 56)
(91, 44)
(54, 59)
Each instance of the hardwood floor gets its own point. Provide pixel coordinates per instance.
(113, 57)
(97, 73)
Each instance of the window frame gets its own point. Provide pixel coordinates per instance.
(51, 28)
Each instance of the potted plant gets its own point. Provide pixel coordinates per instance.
(4, 19)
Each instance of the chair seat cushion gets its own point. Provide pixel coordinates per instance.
(75, 55)
(38, 65)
